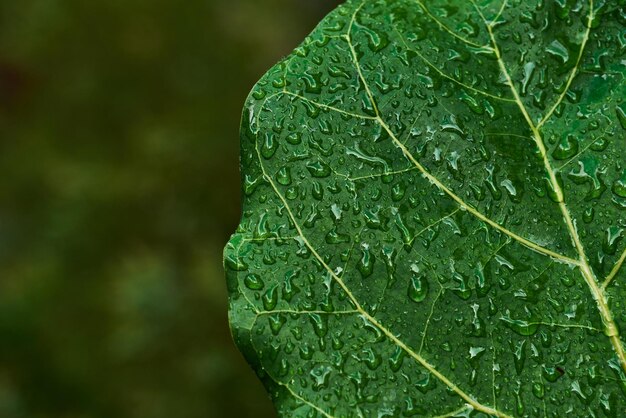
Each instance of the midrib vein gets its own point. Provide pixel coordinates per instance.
(597, 291)
(421, 360)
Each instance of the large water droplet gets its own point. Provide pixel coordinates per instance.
(520, 326)
(270, 298)
(621, 116)
(318, 169)
(254, 282)
(567, 148)
(366, 263)
(418, 286)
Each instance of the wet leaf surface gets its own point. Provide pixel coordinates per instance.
(433, 222)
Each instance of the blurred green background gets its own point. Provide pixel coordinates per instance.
(119, 186)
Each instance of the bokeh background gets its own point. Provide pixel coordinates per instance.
(119, 186)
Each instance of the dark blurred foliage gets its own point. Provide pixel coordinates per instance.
(119, 186)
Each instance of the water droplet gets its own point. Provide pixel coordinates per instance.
(317, 191)
(336, 212)
(289, 288)
(376, 40)
(371, 218)
(305, 352)
(619, 186)
(389, 256)
(276, 322)
(254, 282)
(372, 360)
(269, 145)
(491, 183)
(407, 236)
(519, 356)
(284, 176)
(559, 51)
(567, 148)
(312, 82)
(320, 324)
(520, 326)
(395, 361)
(261, 231)
(335, 237)
(318, 169)
(472, 103)
(511, 190)
(529, 70)
(589, 214)
(612, 237)
(621, 115)
(450, 124)
(538, 390)
(397, 191)
(366, 263)
(259, 94)
(425, 384)
(232, 258)
(461, 288)
(270, 298)
(552, 374)
(418, 286)
(294, 138)
(478, 325)
(320, 374)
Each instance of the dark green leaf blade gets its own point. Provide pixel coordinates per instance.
(434, 210)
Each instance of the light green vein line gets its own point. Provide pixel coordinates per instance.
(258, 116)
(494, 21)
(313, 312)
(306, 402)
(446, 76)
(551, 324)
(430, 315)
(410, 130)
(497, 250)
(574, 70)
(455, 412)
(327, 107)
(614, 271)
(355, 59)
(447, 29)
(438, 221)
(388, 173)
(261, 240)
(421, 360)
(541, 273)
(507, 134)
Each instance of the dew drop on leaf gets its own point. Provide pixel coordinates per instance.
(418, 287)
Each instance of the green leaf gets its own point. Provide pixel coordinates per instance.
(435, 211)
